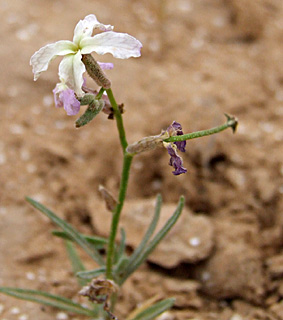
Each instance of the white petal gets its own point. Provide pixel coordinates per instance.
(71, 71)
(85, 27)
(41, 58)
(120, 45)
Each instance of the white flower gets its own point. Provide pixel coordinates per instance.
(71, 68)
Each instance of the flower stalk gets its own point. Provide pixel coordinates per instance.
(232, 122)
(127, 160)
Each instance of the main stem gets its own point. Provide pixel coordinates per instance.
(127, 160)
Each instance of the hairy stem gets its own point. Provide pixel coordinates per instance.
(119, 120)
(127, 160)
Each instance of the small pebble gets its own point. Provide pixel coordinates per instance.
(194, 242)
(30, 275)
(2, 158)
(15, 310)
(16, 129)
(1, 308)
(61, 316)
(47, 100)
(23, 317)
(205, 276)
(236, 317)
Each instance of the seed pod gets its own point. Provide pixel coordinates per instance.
(91, 112)
(95, 71)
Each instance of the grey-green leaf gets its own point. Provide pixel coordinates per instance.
(97, 242)
(149, 231)
(155, 241)
(70, 231)
(47, 299)
(91, 273)
(76, 261)
(155, 310)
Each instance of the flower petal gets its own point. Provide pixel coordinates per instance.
(85, 27)
(175, 160)
(176, 129)
(41, 58)
(71, 71)
(106, 65)
(70, 103)
(65, 97)
(120, 45)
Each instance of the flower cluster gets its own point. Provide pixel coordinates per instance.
(71, 68)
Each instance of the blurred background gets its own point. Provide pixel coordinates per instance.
(200, 59)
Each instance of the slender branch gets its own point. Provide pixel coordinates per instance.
(232, 122)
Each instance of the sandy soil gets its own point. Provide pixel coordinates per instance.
(200, 58)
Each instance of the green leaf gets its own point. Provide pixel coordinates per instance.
(91, 273)
(47, 299)
(154, 310)
(70, 231)
(97, 242)
(121, 249)
(149, 231)
(76, 262)
(155, 241)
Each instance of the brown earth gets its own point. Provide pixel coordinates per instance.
(199, 59)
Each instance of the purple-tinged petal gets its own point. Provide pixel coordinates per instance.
(120, 45)
(181, 145)
(106, 65)
(70, 102)
(175, 161)
(65, 97)
(175, 129)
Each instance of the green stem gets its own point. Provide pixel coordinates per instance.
(231, 123)
(119, 120)
(100, 93)
(116, 215)
(127, 160)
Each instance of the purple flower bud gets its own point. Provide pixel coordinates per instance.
(175, 129)
(65, 97)
(175, 160)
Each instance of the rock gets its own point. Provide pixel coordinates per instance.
(277, 309)
(275, 266)
(190, 240)
(235, 268)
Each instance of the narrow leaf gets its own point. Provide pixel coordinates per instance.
(70, 231)
(90, 274)
(154, 310)
(97, 242)
(47, 299)
(149, 231)
(121, 249)
(155, 241)
(76, 261)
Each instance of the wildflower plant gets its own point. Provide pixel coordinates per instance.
(102, 284)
